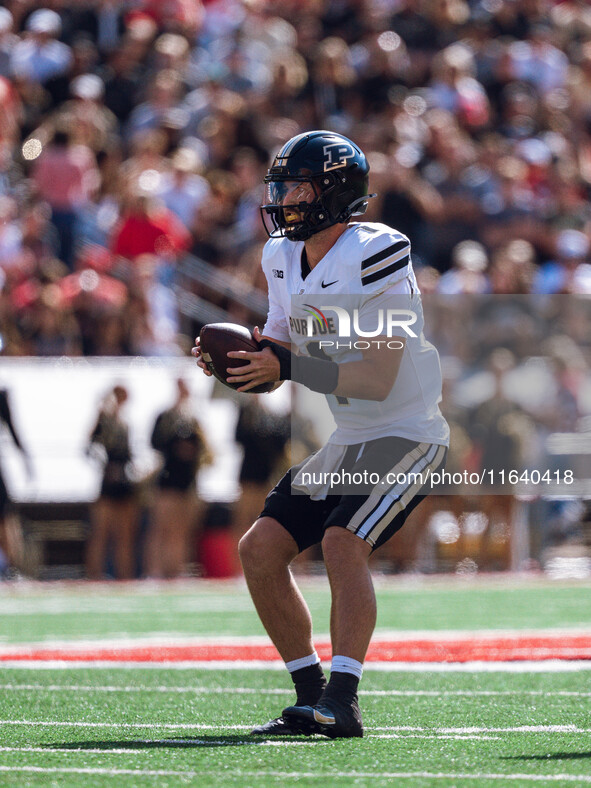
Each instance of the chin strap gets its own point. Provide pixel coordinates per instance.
(316, 374)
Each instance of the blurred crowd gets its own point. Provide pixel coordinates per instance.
(517, 397)
(134, 133)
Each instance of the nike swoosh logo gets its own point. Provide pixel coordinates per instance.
(328, 284)
(319, 717)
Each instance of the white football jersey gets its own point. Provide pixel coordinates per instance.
(366, 273)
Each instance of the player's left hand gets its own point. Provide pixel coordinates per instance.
(196, 353)
(263, 367)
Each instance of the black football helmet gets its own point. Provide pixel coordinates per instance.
(336, 170)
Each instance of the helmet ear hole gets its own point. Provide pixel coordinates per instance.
(341, 207)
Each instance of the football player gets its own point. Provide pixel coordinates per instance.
(383, 394)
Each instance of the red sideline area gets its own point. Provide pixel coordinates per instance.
(457, 649)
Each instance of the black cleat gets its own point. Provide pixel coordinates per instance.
(276, 727)
(307, 692)
(335, 720)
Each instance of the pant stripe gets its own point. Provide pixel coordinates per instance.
(395, 494)
(404, 499)
(382, 487)
(391, 503)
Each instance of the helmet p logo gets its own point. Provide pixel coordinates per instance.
(336, 155)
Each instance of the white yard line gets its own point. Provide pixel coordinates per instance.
(257, 775)
(122, 639)
(521, 666)
(187, 743)
(474, 729)
(391, 728)
(460, 736)
(181, 726)
(288, 691)
(146, 640)
(137, 746)
(472, 693)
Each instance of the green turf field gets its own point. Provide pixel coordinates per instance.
(190, 727)
(168, 726)
(33, 613)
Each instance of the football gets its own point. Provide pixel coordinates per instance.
(217, 340)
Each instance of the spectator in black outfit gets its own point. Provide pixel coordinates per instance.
(11, 546)
(115, 514)
(178, 436)
(263, 436)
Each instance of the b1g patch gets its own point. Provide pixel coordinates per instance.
(337, 154)
(277, 273)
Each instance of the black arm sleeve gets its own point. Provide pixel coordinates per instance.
(316, 374)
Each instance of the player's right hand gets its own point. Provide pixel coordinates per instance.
(196, 351)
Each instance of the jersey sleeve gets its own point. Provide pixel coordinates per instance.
(400, 296)
(276, 325)
(385, 261)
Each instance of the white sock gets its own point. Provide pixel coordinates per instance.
(346, 665)
(303, 662)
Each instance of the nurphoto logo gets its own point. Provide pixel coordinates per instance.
(348, 325)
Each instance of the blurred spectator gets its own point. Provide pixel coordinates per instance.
(11, 113)
(184, 189)
(146, 157)
(65, 176)
(537, 61)
(98, 302)
(7, 41)
(122, 75)
(85, 114)
(513, 268)
(97, 218)
(40, 56)
(467, 275)
(115, 513)
(40, 238)
(263, 436)
(84, 61)
(178, 437)
(331, 76)
(407, 201)
(152, 314)
(148, 228)
(171, 51)
(182, 15)
(455, 89)
(11, 539)
(51, 329)
(450, 153)
(109, 334)
(249, 171)
(164, 95)
(11, 237)
(570, 272)
(100, 20)
(500, 431)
